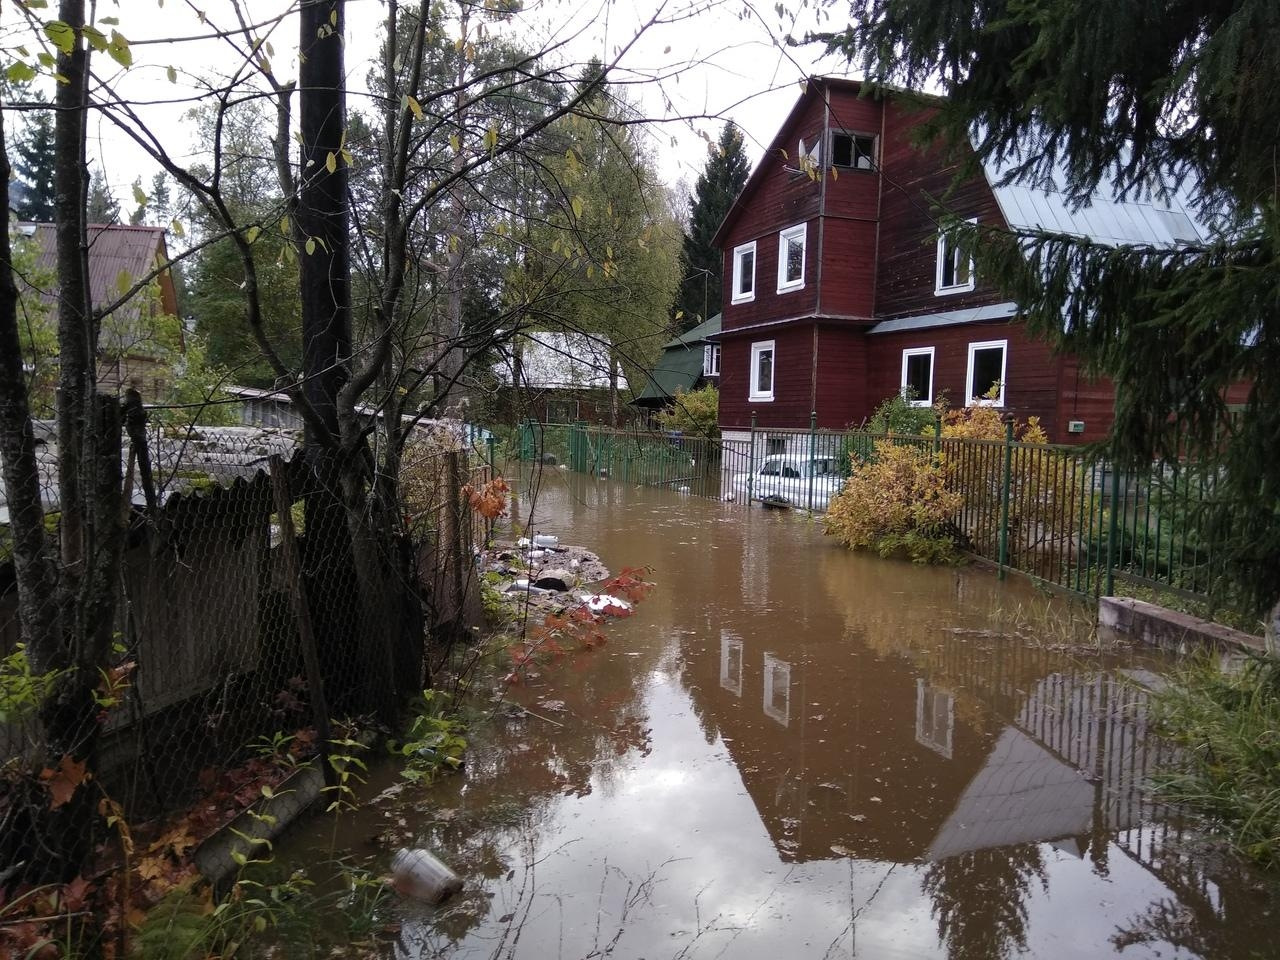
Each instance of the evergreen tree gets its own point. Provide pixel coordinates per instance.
(33, 161)
(103, 206)
(1114, 95)
(717, 187)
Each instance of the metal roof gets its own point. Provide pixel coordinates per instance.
(702, 332)
(559, 361)
(991, 311)
(1155, 220)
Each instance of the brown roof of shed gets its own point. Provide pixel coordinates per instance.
(116, 252)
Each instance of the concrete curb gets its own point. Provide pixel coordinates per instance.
(263, 821)
(1170, 630)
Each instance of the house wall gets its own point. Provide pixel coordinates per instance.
(842, 376)
(1031, 372)
(850, 214)
(908, 225)
(781, 197)
(793, 378)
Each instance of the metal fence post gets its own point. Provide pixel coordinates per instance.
(1004, 495)
(1113, 531)
(491, 443)
(937, 436)
(813, 439)
(751, 460)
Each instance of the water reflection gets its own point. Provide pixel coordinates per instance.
(795, 752)
(935, 718)
(777, 689)
(731, 662)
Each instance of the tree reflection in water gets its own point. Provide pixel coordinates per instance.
(980, 900)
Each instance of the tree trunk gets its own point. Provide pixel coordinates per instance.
(75, 335)
(342, 558)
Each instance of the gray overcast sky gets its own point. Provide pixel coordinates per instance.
(720, 57)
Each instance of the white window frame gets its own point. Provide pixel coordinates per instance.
(927, 399)
(799, 232)
(738, 251)
(971, 401)
(711, 360)
(755, 394)
(944, 248)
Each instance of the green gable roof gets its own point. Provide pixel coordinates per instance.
(680, 365)
(707, 328)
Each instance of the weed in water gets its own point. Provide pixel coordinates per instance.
(433, 739)
(1226, 718)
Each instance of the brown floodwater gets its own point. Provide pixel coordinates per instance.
(792, 751)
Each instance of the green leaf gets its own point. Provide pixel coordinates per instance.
(331, 162)
(252, 233)
(60, 35)
(20, 72)
(576, 204)
(172, 74)
(97, 39)
(139, 197)
(119, 49)
(310, 245)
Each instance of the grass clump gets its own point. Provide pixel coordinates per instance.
(1227, 720)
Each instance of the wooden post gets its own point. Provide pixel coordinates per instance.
(302, 614)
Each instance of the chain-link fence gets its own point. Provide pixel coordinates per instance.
(264, 613)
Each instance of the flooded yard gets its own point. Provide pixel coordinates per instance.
(791, 751)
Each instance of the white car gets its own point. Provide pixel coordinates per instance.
(784, 481)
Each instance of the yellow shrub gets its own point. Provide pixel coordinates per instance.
(896, 501)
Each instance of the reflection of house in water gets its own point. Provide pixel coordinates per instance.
(996, 744)
(935, 718)
(731, 663)
(777, 689)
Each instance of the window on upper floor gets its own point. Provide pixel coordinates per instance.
(762, 371)
(988, 364)
(744, 273)
(917, 376)
(711, 360)
(855, 151)
(955, 267)
(791, 244)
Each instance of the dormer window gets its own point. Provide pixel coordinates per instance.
(791, 244)
(856, 151)
(744, 273)
(955, 267)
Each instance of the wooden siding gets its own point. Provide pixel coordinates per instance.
(768, 303)
(1031, 371)
(842, 376)
(848, 267)
(908, 228)
(793, 378)
(781, 197)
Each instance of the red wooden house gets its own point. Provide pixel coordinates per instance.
(840, 289)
